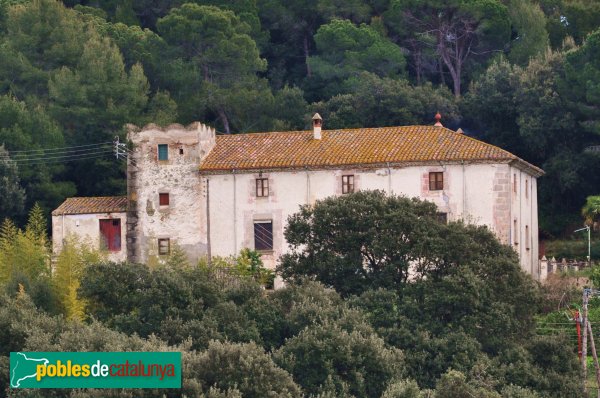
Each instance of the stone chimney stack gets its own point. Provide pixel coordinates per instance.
(317, 122)
(438, 120)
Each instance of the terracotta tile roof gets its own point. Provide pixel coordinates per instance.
(98, 204)
(358, 147)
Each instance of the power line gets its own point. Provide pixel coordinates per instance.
(67, 148)
(63, 156)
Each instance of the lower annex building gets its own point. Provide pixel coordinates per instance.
(213, 195)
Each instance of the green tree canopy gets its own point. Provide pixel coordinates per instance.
(226, 58)
(345, 50)
(369, 240)
(529, 31)
(371, 101)
(458, 30)
(11, 192)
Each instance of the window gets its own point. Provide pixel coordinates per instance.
(163, 152)
(110, 234)
(163, 199)
(263, 235)
(516, 233)
(526, 189)
(527, 237)
(348, 184)
(515, 183)
(262, 187)
(442, 218)
(181, 151)
(436, 181)
(164, 246)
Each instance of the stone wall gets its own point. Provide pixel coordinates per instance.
(183, 221)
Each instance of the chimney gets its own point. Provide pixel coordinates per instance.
(460, 131)
(438, 120)
(317, 122)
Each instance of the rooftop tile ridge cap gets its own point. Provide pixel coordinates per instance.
(255, 133)
(98, 197)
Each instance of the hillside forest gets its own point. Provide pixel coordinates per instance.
(348, 324)
(520, 74)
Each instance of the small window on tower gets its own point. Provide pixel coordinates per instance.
(436, 181)
(163, 152)
(348, 184)
(164, 246)
(181, 151)
(163, 199)
(262, 187)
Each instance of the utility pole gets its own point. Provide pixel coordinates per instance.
(584, 322)
(595, 355)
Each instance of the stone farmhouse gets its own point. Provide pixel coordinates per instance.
(213, 195)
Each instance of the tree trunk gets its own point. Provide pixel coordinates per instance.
(418, 65)
(306, 55)
(454, 70)
(225, 121)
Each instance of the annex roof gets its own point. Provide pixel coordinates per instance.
(98, 204)
(351, 147)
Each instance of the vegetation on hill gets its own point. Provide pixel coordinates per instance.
(521, 74)
(464, 324)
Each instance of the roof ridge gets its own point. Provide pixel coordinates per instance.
(325, 130)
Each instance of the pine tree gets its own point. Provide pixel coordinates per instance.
(8, 235)
(36, 225)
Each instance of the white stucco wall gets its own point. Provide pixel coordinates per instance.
(477, 193)
(86, 227)
(524, 215)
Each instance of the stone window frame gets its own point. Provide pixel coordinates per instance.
(162, 195)
(348, 184)
(158, 147)
(161, 252)
(436, 184)
(267, 248)
(262, 187)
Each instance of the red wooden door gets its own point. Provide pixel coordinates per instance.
(110, 233)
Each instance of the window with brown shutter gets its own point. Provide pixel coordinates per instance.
(348, 183)
(262, 187)
(436, 181)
